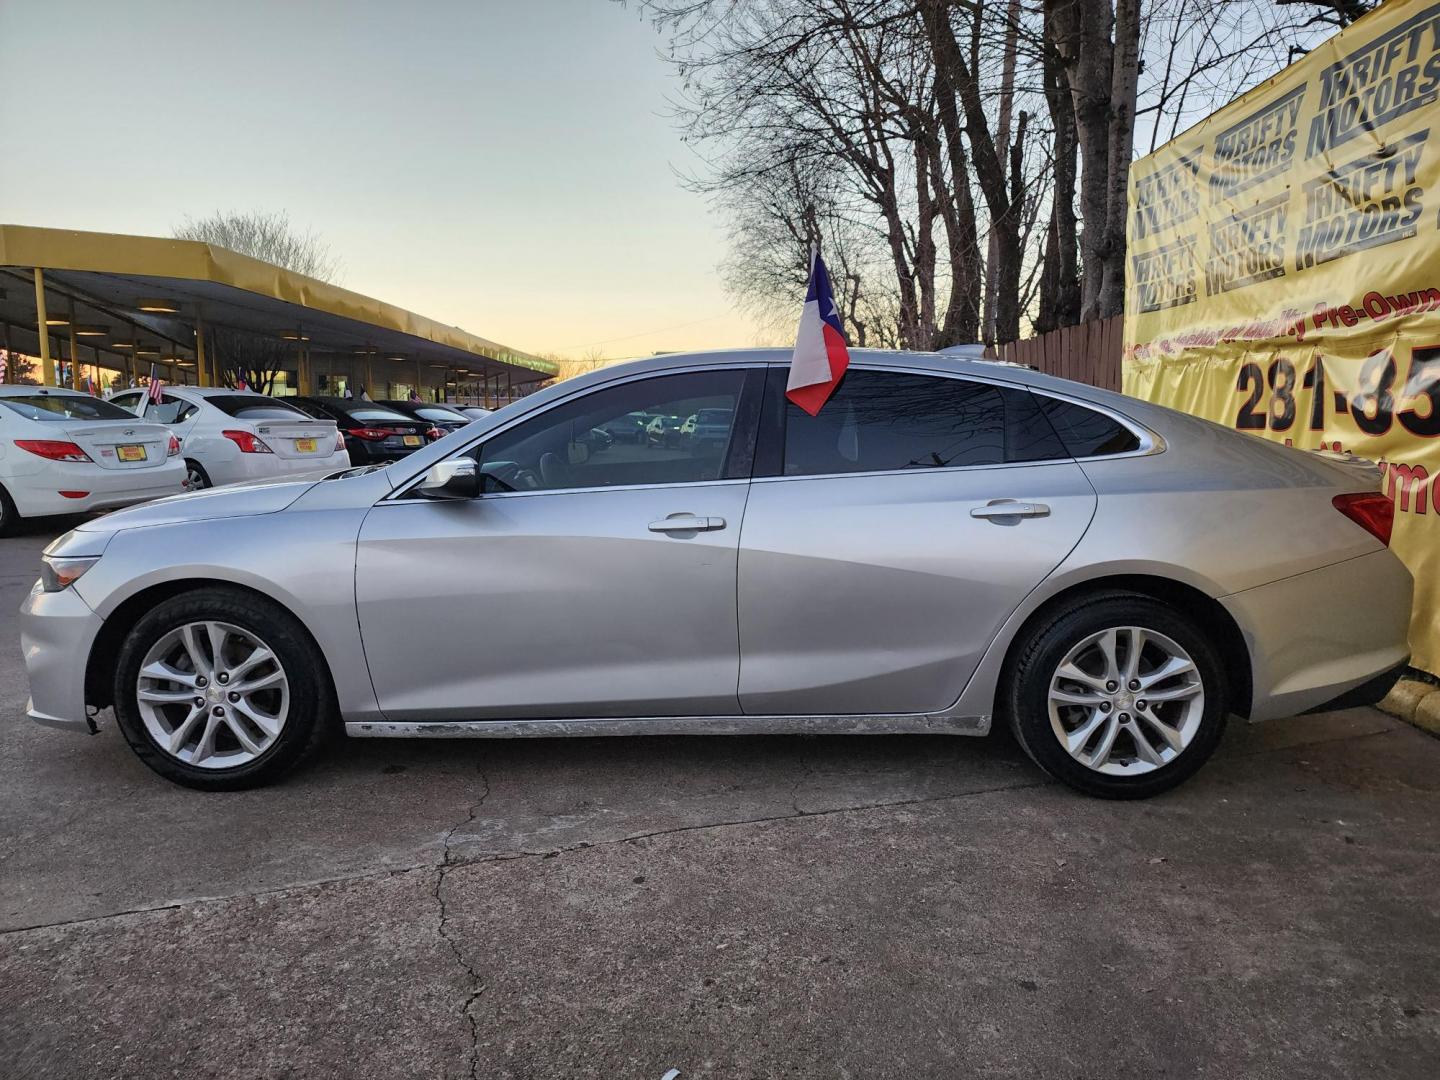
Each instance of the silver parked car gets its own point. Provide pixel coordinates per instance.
(946, 543)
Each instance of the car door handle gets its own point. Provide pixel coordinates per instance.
(1005, 508)
(687, 523)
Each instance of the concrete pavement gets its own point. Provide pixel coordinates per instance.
(741, 907)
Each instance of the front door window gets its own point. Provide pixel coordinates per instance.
(672, 429)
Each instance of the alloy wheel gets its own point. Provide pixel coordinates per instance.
(1126, 701)
(194, 478)
(212, 695)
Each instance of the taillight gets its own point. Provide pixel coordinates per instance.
(248, 442)
(339, 440)
(434, 433)
(1371, 510)
(54, 449)
(174, 447)
(369, 434)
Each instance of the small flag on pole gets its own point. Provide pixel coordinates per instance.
(240, 383)
(157, 385)
(820, 357)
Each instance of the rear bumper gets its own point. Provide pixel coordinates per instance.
(1370, 692)
(38, 494)
(241, 467)
(56, 632)
(1318, 638)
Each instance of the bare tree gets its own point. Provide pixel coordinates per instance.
(265, 235)
(955, 158)
(268, 236)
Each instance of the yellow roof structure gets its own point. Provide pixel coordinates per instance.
(228, 289)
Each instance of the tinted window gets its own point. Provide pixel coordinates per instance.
(245, 407)
(882, 420)
(445, 416)
(375, 412)
(64, 407)
(1085, 432)
(582, 443)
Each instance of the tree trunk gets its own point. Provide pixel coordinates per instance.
(989, 169)
(1004, 113)
(1059, 283)
(1121, 146)
(962, 313)
(1080, 30)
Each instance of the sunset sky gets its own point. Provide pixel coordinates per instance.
(506, 167)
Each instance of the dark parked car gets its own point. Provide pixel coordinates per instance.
(440, 420)
(374, 433)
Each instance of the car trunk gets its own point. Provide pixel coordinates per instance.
(121, 444)
(402, 430)
(296, 439)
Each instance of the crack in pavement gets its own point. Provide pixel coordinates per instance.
(450, 862)
(477, 984)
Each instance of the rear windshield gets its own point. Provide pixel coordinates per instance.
(64, 407)
(373, 412)
(245, 407)
(440, 414)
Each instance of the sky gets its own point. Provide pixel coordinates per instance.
(507, 166)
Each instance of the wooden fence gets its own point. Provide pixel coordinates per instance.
(1088, 353)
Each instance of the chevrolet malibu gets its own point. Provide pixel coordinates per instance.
(947, 543)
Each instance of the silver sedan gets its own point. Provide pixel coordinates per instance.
(947, 543)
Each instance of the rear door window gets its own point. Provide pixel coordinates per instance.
(1085, 432)
(881, 421)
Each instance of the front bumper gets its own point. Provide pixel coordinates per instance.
(57, 630)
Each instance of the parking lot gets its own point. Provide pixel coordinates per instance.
(747, 907)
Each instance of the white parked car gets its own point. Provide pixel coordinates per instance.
(230, 435)
(63, 452)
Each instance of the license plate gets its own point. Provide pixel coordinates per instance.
(130, 453)
(305, 446)
(412, 440)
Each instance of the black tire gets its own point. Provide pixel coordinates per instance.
(311, 715)
(196, 472)
(9, 516)
(1036, 656)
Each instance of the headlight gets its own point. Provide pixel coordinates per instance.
(57, 574)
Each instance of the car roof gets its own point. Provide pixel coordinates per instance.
(27, 389)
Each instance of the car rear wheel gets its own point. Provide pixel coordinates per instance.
(196, 477)
(219, 689)
(9, 516)
(1119, 696)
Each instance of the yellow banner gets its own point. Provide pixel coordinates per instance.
(1284, 270)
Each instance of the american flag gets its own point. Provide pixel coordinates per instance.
(157, 385)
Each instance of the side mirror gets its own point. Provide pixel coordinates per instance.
(455, 478)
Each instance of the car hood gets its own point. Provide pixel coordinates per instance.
(231, 500)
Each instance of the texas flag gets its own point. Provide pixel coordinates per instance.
(820, 356)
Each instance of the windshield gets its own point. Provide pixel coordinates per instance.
(246, 407)
(64, 407)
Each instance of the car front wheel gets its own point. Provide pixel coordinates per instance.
(1119, 696)
(220, 689)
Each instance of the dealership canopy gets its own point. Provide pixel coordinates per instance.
(121, 303)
